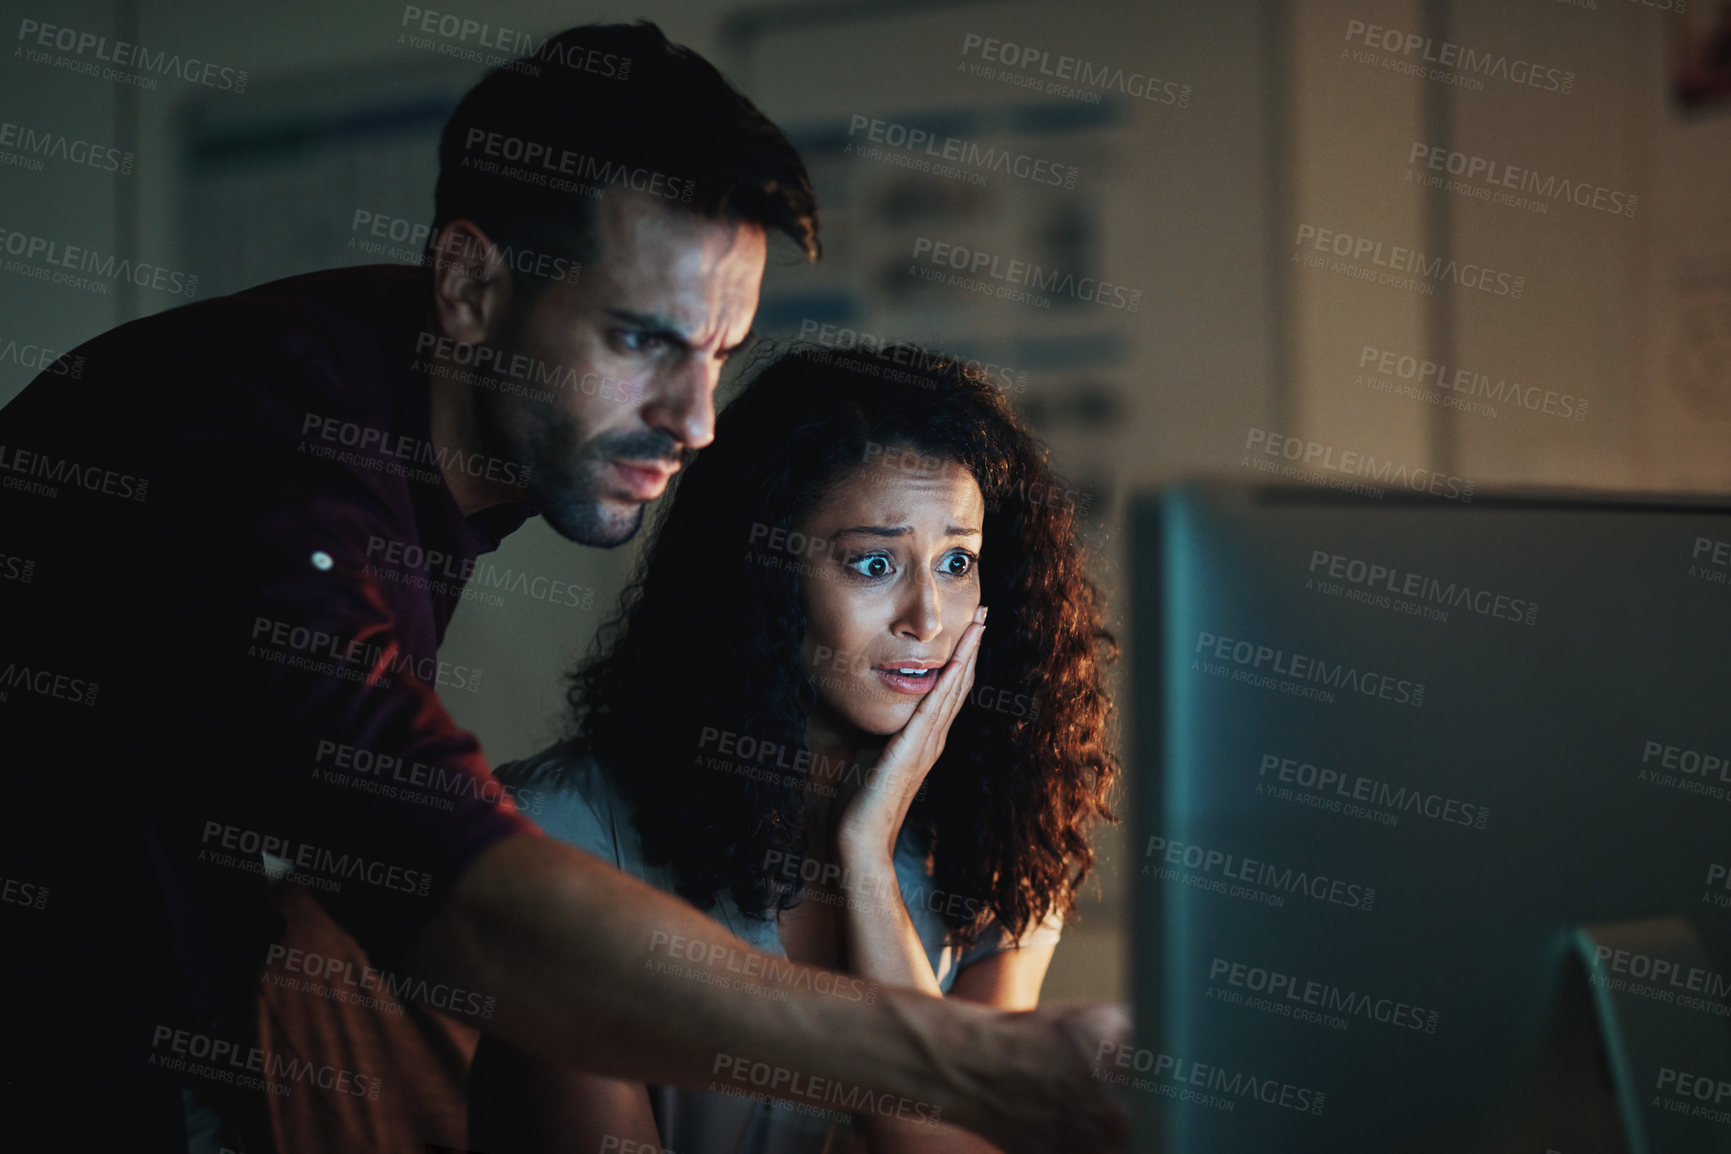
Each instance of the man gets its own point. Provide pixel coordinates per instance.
(242, 524)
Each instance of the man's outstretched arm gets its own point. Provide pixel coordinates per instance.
(594, 968)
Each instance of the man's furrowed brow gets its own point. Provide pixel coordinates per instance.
(653, 324)
(750, 338)
(668, 330)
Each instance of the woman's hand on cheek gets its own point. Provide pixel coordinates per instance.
(866, 834)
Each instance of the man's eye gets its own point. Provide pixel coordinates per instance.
(637, 341)
(871, 565)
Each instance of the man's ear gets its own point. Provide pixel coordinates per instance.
(471, 284)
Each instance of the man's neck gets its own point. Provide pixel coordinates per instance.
(456, 435)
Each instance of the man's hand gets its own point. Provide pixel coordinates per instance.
(569, 945)
(1044, 1096)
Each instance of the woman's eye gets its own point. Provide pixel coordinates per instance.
(871, 565)
(958, 564)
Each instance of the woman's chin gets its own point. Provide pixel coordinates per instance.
(889, 720)
(866, 714)
(885, 719)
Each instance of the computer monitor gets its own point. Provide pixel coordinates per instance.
(1432, 823)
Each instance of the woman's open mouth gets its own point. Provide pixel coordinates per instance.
(915, 677)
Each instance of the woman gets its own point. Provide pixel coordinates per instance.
(800, 724)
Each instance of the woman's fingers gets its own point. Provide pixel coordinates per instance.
(961, 661)
(961, 681)
(923, 736)
(974, 657)
(938, 711)
(933, 706)
(911, 753)
(967, 656)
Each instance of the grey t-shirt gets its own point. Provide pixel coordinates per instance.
(582, 809)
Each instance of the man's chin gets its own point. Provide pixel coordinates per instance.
(602, 524)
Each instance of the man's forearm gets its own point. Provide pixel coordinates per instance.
(599, 970)
(580, 959)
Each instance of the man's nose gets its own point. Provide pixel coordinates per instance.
(683, 401)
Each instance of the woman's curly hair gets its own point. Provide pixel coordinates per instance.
(706, 649)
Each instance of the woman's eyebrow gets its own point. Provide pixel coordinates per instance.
(873, 531)
(898, 531)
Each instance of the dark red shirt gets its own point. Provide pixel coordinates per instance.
(232, 558)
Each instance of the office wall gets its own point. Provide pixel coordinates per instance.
(1273, 125)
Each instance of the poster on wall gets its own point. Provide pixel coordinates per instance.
(1688, 416)
(1701, 56)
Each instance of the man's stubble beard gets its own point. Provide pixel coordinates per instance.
(566, 469)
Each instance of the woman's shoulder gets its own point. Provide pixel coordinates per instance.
(928, 905)
(566, 759)
(573, 797)
(995, 939)
(570, 795)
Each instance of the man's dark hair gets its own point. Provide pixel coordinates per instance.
(532, 148)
